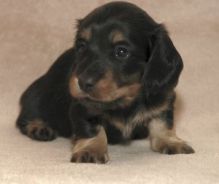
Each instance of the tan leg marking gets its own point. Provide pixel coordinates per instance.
(91, 150)
(165, 141)
(37, 129)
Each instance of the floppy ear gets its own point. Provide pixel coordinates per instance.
(164, 65)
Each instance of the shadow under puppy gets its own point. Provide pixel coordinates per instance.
(114, 85)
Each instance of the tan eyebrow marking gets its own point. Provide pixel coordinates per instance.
(85, 34)
(117, 36)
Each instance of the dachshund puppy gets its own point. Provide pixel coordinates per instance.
(116, 84)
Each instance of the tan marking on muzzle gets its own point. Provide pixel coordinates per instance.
(74, 87)
(107, 90)
(105, 87)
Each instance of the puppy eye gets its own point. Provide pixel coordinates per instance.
(122, 52)
(81, 46)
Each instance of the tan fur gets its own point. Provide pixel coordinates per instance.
(95, 146)
(164, 140)
(119, 124)
(34, 125)
(117, 36)
(144, 114)
(107, 90)
(75, 89)
(141, 117)
(85, 34)
(126, 129)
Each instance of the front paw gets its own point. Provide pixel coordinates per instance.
(176, 148)
(170, 147)
(89, 157)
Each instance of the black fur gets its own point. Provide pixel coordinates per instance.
(153, 62)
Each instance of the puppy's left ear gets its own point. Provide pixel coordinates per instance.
(164, 65)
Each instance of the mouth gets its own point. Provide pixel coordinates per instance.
(105, 92)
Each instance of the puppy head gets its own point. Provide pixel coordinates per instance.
(121, 51)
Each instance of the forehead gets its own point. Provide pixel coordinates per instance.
(113, 32)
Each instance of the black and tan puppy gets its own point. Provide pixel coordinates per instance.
(114, 85)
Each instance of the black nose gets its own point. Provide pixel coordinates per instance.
(87, 84)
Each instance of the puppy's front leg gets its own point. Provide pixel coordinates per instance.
(91, 149)
(163, 138)
(89, 138)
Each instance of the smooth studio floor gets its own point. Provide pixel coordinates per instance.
(34, 33)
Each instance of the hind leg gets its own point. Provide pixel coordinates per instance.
(37, 129)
